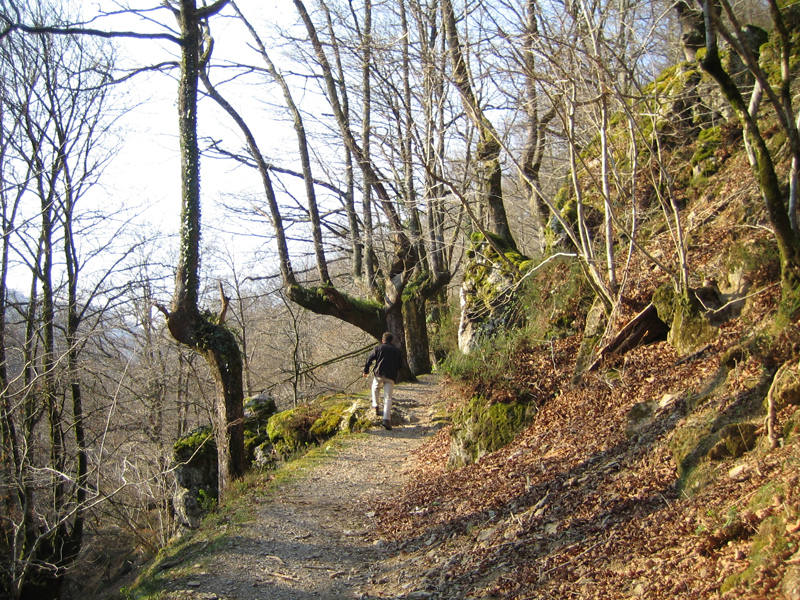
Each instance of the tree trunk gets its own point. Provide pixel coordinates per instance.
(769, 184)
(187, 325)
(371, 266)
(536, 126)
(73, 322)
(416, 332)
(394, 324)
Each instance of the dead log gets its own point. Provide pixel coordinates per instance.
(644, 328)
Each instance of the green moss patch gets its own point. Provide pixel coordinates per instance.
(708, 140)
(481, 427)
(705, 437)
(292, 430)
(769, 547)
(791, 427)
(199, 440)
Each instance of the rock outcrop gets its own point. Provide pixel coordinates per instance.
(195, 460)
(488, 292)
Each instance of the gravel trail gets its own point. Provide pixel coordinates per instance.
(313, 537)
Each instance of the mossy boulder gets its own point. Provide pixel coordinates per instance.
(704, 160)
(688, 320)
(258, 410)
(639, 417)
(260, 407)
(292, 430)
(690, 328)
(289, 430)
(702, 439)
(347, 416)
(195, 459)
(690, 442)
(734, 440)
(357, 417)
(481, 427)
(596, 321)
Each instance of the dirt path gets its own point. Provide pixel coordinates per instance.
(312, 538)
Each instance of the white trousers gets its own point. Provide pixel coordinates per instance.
(387, 384)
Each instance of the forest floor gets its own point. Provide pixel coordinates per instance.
(312, 536)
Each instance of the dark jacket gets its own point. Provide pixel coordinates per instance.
(387, 361)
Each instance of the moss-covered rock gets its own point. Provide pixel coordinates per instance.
(195, 460)
(689, 324)
(734, 440)
(690, 329)
(258, 410)
(481, 427)
(356, 417)
(702, 439)
(664, 301)
(690, 443)
(704, 160)
(639, 417)
(329, 422)
(195, 457)
(292, 430)
(593, 330)
(289, 430)
(260, 407)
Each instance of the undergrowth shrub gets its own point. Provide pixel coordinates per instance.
(489, 363)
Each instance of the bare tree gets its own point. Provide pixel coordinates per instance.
(56, 116)
(187, 323)
(204, 333)
(489, 143)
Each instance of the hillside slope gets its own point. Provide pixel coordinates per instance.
(650, 478)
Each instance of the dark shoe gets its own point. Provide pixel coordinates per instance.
(378, 411)
(387, 424)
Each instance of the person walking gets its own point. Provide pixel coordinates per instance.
(387, 360)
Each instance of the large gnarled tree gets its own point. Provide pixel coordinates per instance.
(189, 325)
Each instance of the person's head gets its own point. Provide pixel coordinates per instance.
(387, 338)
